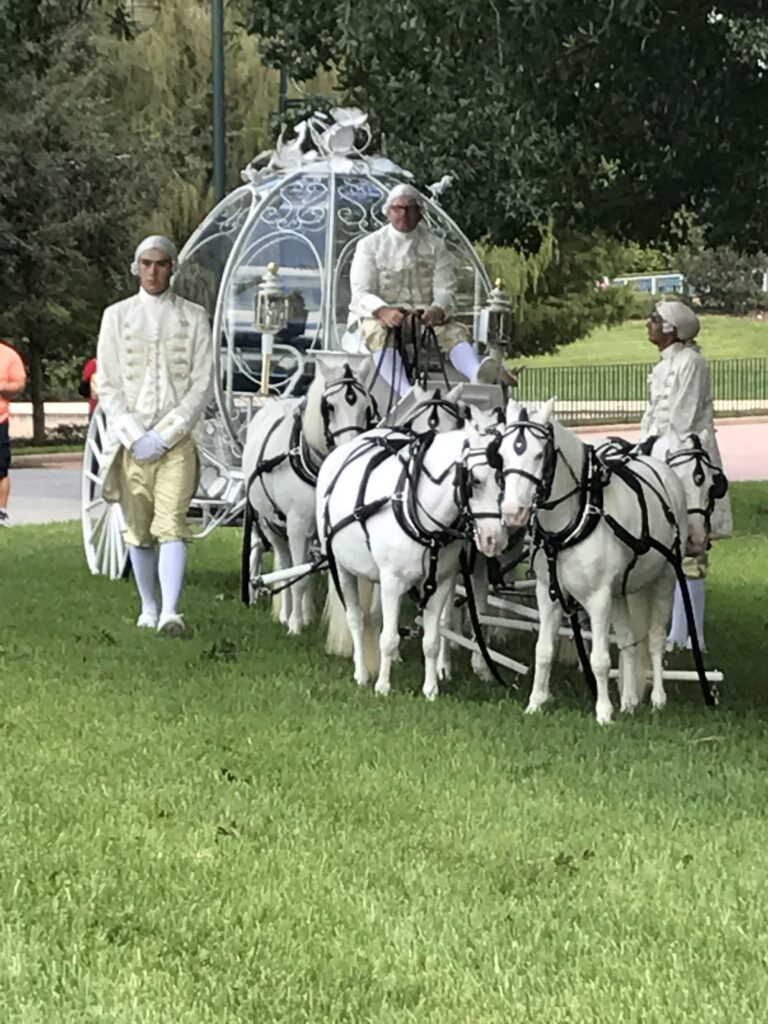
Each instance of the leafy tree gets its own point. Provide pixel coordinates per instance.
(68, 195)
(608, 115)
(554, 292)
(723, 279)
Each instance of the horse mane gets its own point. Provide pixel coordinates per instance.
(312, 419)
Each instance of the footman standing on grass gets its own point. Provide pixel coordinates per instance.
(155, 375)
(680, 403)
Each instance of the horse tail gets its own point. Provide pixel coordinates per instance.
(338, 638)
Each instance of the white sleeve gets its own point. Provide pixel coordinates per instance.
(444, 279)
(364, 279)
(689, 392)
(111, 395)
(179, 422)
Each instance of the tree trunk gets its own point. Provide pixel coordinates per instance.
(36, 393)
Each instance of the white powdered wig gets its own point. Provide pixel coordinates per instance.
(153, 242)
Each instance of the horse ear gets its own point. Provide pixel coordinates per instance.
(513, 411)
(418, 392)
(453, 394)
(544, 414)
(473, 432)
(704, 438)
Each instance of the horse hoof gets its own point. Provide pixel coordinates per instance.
(382, 689)
(659, 705)
(604, 716)
(629, 708)
(481, 670)
(535, 707)
(430, 695)
(361, 680)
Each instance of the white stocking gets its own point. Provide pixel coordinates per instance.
(392, 369)
(172, 563)
(465, 359)
(144, 565)
(678, 632)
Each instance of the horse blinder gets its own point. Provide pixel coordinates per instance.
(719, 487)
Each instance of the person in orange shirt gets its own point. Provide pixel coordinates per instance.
(13, 377)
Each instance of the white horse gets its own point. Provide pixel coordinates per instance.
(428, 410)
(703, 482)
(394, 510)
(586, 526)
(286, 444)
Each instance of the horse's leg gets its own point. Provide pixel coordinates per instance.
(598, 606)
(550, 617)
(626, 640)
(391, 595)
(660, 612)
(355, 621)
(431, 641)
(284, 600)
(299, 536)
(446, 619)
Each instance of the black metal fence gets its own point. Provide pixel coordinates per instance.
(619, 393)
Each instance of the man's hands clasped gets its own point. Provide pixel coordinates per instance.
(150, 446)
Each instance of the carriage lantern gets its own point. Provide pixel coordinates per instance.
(499, 312)
(271, 318)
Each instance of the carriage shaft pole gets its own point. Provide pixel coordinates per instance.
(471, 645)
(282, 575)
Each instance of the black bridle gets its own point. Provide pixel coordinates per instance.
(519, 431)
(702, 462)
(435, 404)
(353, 392)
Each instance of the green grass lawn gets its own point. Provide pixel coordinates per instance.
(224, 829)
(722, 337)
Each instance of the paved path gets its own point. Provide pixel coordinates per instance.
(51, 495)
(743, 446)
(44, 495)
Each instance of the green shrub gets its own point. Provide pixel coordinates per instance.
(723, 279)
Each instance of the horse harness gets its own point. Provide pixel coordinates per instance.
(418, 524)
(598, 468)
(302, 457)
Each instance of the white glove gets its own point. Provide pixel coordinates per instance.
(149, 447)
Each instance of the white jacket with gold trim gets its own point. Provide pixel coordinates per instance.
(140, 369)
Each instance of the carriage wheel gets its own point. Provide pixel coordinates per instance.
(103, 524)
(252, 554)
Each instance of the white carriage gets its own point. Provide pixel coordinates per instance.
(302, 207)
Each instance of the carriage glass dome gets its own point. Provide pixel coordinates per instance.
(303, 206)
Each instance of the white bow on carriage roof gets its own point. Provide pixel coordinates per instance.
(340, 137)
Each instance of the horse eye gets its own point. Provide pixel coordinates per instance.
(474, 480)
(538, 456)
